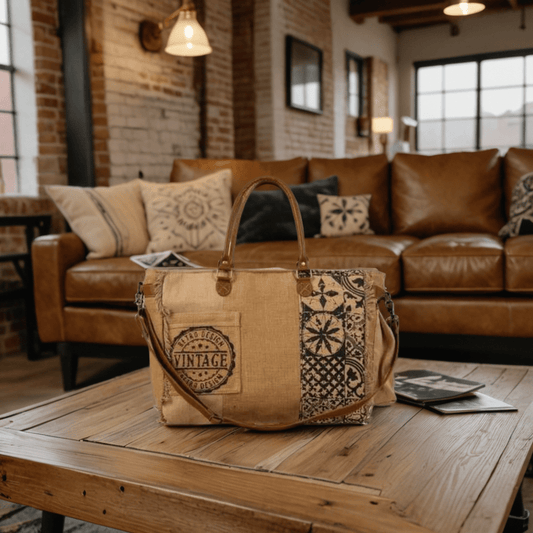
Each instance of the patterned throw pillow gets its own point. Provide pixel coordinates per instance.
(344, 215)
(188, 216)
(109, 220)
(521, 210)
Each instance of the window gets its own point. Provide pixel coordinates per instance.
(354, 73)
(475, 103)
(8, 152)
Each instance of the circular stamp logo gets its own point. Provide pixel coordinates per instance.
(204, 357)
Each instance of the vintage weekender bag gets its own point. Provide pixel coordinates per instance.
(268, 349)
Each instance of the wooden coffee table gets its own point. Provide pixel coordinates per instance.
(100, 455)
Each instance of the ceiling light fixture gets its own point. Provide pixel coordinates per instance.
(462, 9)
(187, 37)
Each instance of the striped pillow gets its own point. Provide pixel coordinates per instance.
(109, 220)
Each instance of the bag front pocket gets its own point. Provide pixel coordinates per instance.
(205, 350)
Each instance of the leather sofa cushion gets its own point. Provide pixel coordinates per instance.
(360, 175)
(356, 251)
(112, 281)
(497, 315)
(291, 171)
(459, 192)
(517, 162)
(464, 262)
(519, 264)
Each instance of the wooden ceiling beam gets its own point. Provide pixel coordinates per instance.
(415, 19)
(361, 9)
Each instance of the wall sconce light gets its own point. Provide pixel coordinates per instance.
(462, 9)
(187, 37)
(383, 126)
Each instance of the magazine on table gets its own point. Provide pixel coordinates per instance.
(445, 394)
(427, 386)
(475, 402)
(163, 259)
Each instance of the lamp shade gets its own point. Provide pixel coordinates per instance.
(461, 9)
(382, 125)
(187, 37)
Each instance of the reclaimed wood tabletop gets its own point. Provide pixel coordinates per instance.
(100, 455)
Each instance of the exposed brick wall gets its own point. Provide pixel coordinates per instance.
(263, 60)
(219, 89)
(152, 112)
(94, 12)
(305, 133)
(376, 93)
(52, 163)
(244, 103)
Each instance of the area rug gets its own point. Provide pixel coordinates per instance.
(20, 519)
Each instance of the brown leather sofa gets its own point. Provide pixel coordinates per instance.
(435, 219)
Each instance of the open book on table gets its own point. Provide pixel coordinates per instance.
(163, 259)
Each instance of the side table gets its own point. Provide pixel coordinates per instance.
(23, 265)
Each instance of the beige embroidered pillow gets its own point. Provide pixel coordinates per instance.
(188, 216)
(109, 220)
(341, 216)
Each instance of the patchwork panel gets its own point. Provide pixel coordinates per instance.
(333, 358)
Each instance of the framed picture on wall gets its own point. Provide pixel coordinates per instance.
(303, 75)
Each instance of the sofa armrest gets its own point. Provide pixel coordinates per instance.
(52, 256)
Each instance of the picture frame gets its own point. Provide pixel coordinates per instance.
(303, 75)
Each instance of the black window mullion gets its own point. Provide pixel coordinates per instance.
(478, 106)
(417, 130)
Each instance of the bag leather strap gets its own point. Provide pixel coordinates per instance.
(384, 373)
(226, 263)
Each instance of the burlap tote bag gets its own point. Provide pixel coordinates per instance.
(268, 348)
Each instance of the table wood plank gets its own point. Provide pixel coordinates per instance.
(491, 510)
(74, 401)
(99, 416)
(181, 440)
(31, 464)
(445, 461)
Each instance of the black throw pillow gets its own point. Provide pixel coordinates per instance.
(267, 215)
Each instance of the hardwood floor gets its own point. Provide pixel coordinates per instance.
(24, 382)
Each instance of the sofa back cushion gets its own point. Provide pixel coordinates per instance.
(448, 193)
(360, 175)
(291, 171)
(517, 162)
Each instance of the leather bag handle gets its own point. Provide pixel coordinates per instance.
(226, 263)
(384, 373)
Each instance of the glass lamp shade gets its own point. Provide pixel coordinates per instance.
(382, 125)
(461, 9)
(187, 37)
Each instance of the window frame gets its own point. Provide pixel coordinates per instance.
(359, 61)
(473, 58)
(11, 69)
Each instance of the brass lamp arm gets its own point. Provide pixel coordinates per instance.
(188, 5)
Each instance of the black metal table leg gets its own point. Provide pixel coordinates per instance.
(52, 523)
(518, 521)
